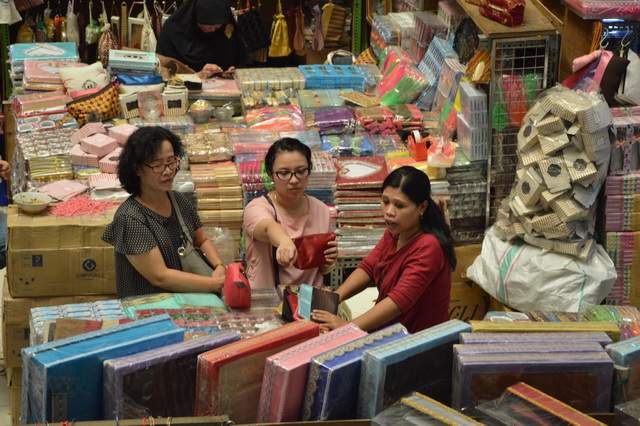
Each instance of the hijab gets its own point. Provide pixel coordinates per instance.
(181, 38)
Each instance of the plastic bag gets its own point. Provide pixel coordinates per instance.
(73, 31)
(527, 278)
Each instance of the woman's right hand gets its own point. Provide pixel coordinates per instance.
(209, 70)
(286, 253)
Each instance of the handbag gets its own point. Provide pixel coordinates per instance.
(251, 31)
(311, 250)
(236, 290)
(191, 258)
(103, 104)
(279, 35)
(92, 30)
(73, 30)
(148, 40)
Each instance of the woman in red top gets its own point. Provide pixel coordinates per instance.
(411, 265)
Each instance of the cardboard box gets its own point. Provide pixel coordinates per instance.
(468, 301)
(61, 272)
(14, 382)
(28, 232)
(15, 320)
(465, 256)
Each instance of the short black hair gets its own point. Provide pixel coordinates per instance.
(287, 145)
(141, 148)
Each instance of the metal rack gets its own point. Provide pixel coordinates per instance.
(337, 276)
(533, 58)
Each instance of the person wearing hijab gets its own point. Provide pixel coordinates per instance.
(201, 34)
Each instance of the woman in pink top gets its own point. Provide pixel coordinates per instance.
(272, 222)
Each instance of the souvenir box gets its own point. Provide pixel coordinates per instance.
(418, 409)
(524, 404)
(626, 356)
(610, 328)
(20, 52)
(63, 379)
(159, 382)
(546, 337)
(285, 374)
(392, 370)
(580, 379)
(518, 348)
(357, 172)
(229, 378)
(334, 377)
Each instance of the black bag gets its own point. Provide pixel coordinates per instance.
(251, 31)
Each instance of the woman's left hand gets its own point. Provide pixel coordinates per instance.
(327, 320)
(331, 254)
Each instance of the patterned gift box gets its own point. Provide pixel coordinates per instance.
(390, 371)
(229, 378)
(159, 382)
(81, 158)
(547, 337)
(418, 409)
(122, 132)
(285, 374)
(527, 348)
(87, 130)
(334, 377)
(109, 163)
(610, 328)
(580, 379)
(63, 379)
(98, 144)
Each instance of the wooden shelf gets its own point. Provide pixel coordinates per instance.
(535, 22)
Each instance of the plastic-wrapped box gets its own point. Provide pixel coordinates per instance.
(392, 370)
(524, 404)
(63, 379)
(474, 105)
(473, 140)
(263, 98)
(269, 78)
(535, 337)
(452, 15)
(285, 374)
(334, 377)
(357, 145)
(311, 100)
(418, 409)
(159, 382)
(626, 356)
(229, 378)
(333, 77)
(207, 147)
(605, 9)
(628, 414)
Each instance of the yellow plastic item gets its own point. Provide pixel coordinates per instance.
(279, 35)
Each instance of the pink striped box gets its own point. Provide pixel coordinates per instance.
(122, 132)
(285, 374)
(99, 144)
(81, 158)
(109, 163)
(87, 130)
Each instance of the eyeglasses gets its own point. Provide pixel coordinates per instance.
(172, 163)
(286, 175)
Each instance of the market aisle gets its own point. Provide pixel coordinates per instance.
(5, 415)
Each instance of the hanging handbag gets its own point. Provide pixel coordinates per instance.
(298, 37)
(279, 46)
(92, 30)
(73, 31)
(317, 43)
(191, 258)
(250, 29)
(148, 41)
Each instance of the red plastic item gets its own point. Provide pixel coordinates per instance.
(311, 250)
(417, 146)
(236, 290)
(507, 12)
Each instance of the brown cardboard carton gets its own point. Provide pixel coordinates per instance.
(465, 256)
(14, 382)
(52, 232)
(15, 320)
(61, 272)
(468, 301)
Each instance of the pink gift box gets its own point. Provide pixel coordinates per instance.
(81, 158)
(98, 144)
(122, 132)
(87, 130)
(109, 163)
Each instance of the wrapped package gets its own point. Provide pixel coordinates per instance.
(157, 383)
(626, 356)
(392, 370)
(334, 376)
(480, 337)
(63, 379)
(418, 409)
(580, 379)
(522, 403)
(229, 378)
(610, 328)
(285, 374)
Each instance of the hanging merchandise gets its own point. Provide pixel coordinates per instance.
(48, 23)
(73, 31)
(124, 24)
(92, 31)
(41, 31)
(279, 35)
(107, 42)
(8, 13)
(25, 33)
(298, 37)
(317, 43)
(333, 17)
(251, 29)
(148, 41)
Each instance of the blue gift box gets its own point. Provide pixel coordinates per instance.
(334, 377)
(626, 357)
(20, 52)
(62, 380)
(419, 362)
